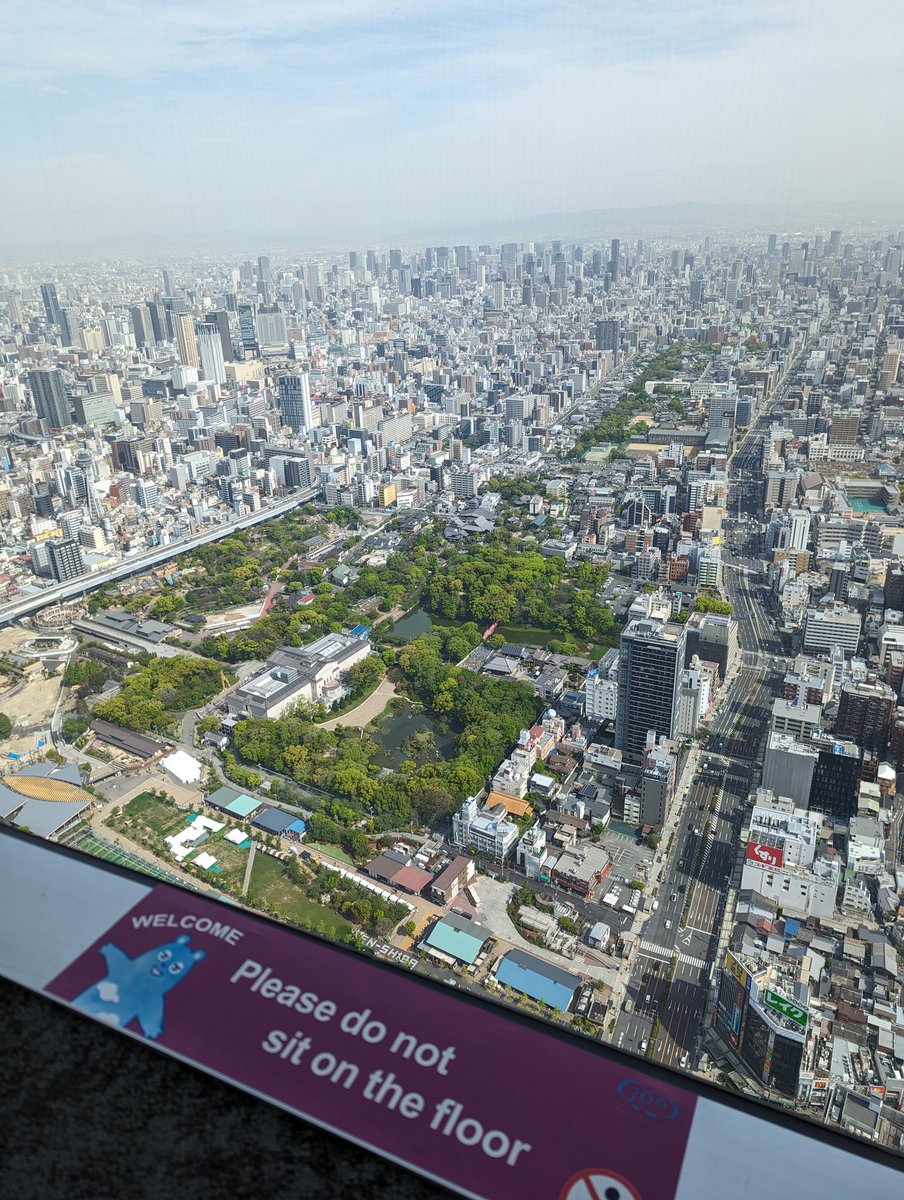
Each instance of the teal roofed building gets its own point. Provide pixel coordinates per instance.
(459, 938)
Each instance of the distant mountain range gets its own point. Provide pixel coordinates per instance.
(689, 219)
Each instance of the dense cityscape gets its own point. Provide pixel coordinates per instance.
(527, 614)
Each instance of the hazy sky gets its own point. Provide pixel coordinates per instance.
(338, 119)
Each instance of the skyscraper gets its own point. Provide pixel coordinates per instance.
(607, 333)
(246, 326)
(295, 401)
(650, 662)
(142, 326)
(51, 303)
(51, 401)
(184, 329)
(211, 350)
(220, 318)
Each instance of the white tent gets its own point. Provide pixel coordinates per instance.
(183, 767)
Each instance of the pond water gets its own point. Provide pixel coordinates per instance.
(392, 732)
(413, 624)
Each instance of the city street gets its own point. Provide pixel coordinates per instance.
(673, 964)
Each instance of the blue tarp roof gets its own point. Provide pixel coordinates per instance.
(537, 979)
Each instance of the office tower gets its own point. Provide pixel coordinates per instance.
(246, 327)
(607, 335)
(140, 316)
(773, 242)
(272, 332)
(597, 263)
(51, 303)
(168, 289)
(68, 326)
(649, 676)
(220, 318)
(210, 347)
(836, 778)
(187, 346)
(95, 408)
(614, 258)
(835, 243)
(264, 273)
(294, 401)
(66, 560)
(832, 626)
(353, 260)
(160, 326)
(49, 394)
(15, 308)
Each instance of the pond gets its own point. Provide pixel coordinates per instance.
(413, 624)
(392, 731)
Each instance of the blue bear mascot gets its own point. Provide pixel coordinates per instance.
(133, 988)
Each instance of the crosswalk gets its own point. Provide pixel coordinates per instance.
(651, 950)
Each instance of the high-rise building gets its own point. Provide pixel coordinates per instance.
(68, 326)
(247, 327)
(272, 333)
(750, 1016)
(294, 401)
(832, 625)
(51, 401)
(607, 334)
(66, 560)
(865, 712)
(210, 347)
(187, 346)
(51, 303)
(220, 318)
(651, 658)
(142, 325)
(836, 778)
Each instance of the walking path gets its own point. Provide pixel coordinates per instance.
(358, 717)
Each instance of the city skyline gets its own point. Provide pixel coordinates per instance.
(350, 121)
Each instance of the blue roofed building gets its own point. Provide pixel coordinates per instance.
(539, 980)
(457, 937)
(274, 820)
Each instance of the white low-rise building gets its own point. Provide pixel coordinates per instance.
(486, 830)
(801, 891)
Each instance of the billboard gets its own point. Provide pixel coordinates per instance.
(388, 1060)
(734, 968)
(786, 1008)
(765, 856)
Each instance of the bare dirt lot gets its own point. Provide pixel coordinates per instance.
(29, 701)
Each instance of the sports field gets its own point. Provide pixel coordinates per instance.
(89, 844)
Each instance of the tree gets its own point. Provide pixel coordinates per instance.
(6, 726)
(708, 603)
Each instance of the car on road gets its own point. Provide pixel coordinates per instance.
(643, 1046)
(668, 924)
(674, 896)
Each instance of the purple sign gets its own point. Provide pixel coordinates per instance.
(483, 1103)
